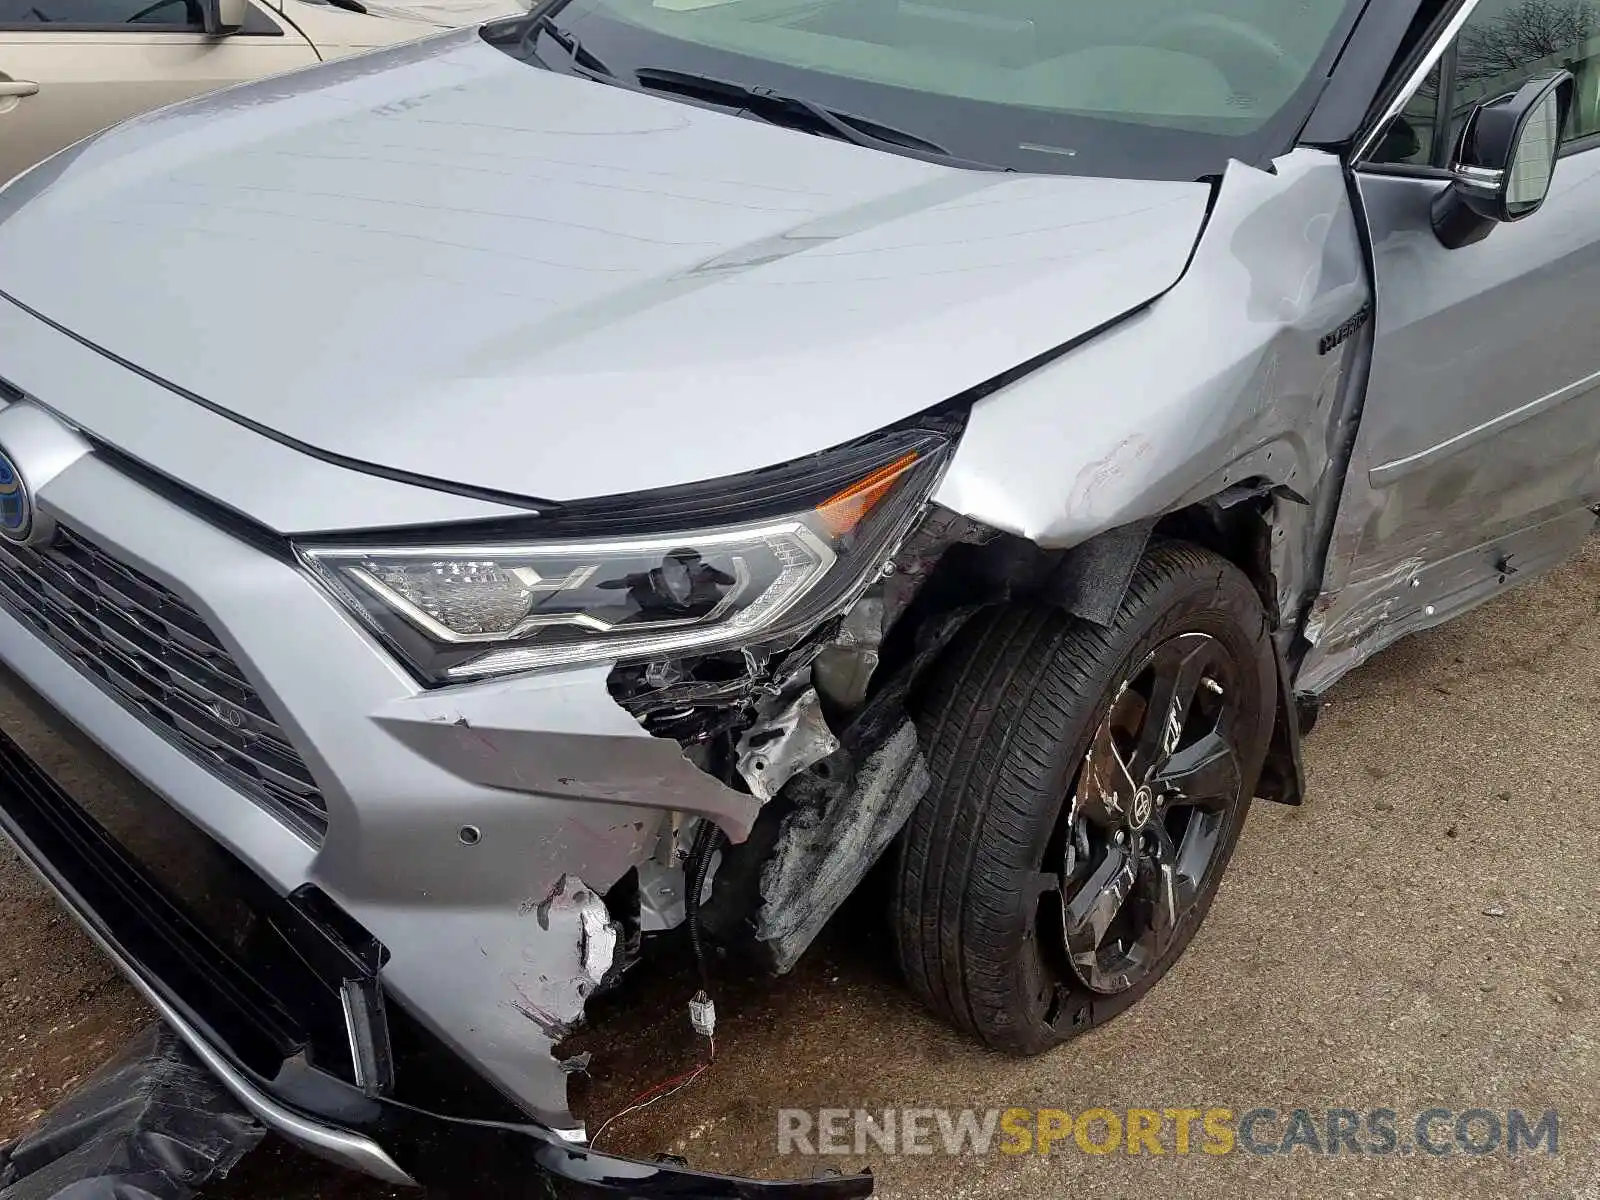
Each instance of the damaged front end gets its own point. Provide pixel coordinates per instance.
(812, 725)
(726, 775)
(744, 631)
(264, 1019)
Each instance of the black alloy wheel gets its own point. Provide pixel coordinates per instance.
(1144, 826)
(1089, 784)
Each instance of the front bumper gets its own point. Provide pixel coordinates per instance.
(564, 790)
(130, 915)
(557, 779)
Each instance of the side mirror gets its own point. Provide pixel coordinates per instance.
(1504, 161)
(219, 18)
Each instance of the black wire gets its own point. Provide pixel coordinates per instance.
(708, 839)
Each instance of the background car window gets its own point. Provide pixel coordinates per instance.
(32, 14)
(1504, 44)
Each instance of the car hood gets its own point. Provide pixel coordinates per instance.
(439, 260)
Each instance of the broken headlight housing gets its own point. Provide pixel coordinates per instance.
(772, 554)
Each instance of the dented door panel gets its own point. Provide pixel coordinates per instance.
(1478, 441)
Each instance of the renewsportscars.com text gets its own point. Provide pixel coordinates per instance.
(1215, 1131)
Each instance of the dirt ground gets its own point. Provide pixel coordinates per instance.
(1421, 934)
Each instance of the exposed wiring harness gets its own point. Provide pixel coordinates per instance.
(708, 839)
(702, 1010)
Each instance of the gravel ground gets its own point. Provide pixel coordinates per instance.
(1421, 934)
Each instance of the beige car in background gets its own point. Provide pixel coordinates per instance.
(71, 67)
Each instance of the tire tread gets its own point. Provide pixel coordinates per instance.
(994, 714)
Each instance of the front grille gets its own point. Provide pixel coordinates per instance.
(157, 656)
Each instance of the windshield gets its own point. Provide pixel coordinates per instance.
(1145, 88)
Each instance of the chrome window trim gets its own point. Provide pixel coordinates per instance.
(1415, 80)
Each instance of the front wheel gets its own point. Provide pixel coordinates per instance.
(1088, 786)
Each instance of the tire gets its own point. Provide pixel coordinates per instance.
(1027, 729)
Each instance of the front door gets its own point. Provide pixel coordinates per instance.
(71, 67)
(1478, 455)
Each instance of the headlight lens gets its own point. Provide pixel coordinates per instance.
(455, 613)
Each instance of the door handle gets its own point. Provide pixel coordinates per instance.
(17, 87)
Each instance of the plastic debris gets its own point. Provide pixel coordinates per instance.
(152, 1124)
(578, 1064)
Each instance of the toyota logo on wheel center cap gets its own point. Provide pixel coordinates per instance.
(16, 508)
(1144, 804)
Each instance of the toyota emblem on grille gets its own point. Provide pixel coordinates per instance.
(16, 508)
(227, 713)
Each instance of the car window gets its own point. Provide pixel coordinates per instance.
(1155, 88)
(1503, 45)
(99, 14)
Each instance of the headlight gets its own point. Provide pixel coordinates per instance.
(812, 543)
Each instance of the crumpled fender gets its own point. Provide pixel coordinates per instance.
(1225, 378)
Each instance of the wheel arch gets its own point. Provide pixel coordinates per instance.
(970, 566)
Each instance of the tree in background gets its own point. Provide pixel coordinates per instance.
(1524, 34)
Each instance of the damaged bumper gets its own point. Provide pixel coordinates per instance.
(258, 1022)
(469, 835)
(454, 819)
(470, 861)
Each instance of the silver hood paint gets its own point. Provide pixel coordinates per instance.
(444, 261)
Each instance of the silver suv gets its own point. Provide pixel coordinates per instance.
(613, 477)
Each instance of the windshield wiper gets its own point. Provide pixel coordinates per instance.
(796, 112)
(583, 61)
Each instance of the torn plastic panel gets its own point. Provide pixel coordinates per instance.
(831, 838)
(815, 733)
(594, 753)
(830, 749)
(815, 842)
(752, 717)
(152, 1124)
(843, 671)
(155, 1124)
(812, 847)
(532, 1162)
(751, 695)
(587, 939)
(835, 822)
